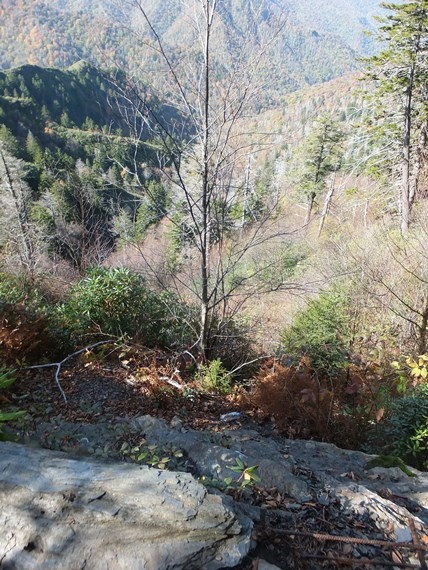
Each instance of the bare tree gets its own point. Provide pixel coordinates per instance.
(205, 147)
(15, 195)
(395, 278)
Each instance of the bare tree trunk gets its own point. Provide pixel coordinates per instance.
(17, 192)
(423, 329)
(311, 201)
(405, 199)
(327, 203)
(366, 211)
(246, 191)
(420, 156)
(209, 9)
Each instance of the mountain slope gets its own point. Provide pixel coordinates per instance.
(348, 19)
(31, 95)
(63, 32)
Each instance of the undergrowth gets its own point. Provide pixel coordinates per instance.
(342, 409)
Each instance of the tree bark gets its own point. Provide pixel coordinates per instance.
(423, 329)
(205, 237)
(420, 156)
(405, 167)
(311, 201)
(27, 249)
(327, 203)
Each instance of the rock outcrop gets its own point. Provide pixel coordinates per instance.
(79, 513)
(304, 470)
(58, 512)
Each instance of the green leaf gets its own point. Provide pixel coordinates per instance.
(9, 416)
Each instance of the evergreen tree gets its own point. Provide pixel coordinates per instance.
(400, 75)
(9, 142)
(320, 155)
(33, 149)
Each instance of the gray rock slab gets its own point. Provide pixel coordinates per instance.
(58, 512)
(215, 453)
(338, 468)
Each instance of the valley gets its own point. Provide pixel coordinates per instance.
(215, 207)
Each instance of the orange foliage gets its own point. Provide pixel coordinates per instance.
(24, 336)
(295, 399)
(342, 410)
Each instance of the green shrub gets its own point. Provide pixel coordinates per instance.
(117, 302)
(320, 332)
(34, 294)
(214, 377)
(409, 427)
(13, 289)
(7, 378)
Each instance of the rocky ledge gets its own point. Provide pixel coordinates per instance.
(58, 512)
(320, 504)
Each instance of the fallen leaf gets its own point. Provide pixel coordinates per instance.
(379, 414)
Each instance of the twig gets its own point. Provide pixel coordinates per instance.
(248, 364)
(360, 561)
(11, 548)
(171, 382)
(417, 544)
(353, 539)
(59, 364)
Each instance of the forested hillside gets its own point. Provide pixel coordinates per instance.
(59, 34)
(63, 131)
(227, 202)
(349, 19)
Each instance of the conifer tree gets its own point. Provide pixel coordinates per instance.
(400, 74)
(320, 155)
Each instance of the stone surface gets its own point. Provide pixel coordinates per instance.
(307, 471)
(341, 469)
(215, 453)
(301, 469)
(308, 474)
(58, 512)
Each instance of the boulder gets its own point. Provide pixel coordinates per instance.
(58, 512)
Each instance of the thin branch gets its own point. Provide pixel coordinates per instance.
(59, 364)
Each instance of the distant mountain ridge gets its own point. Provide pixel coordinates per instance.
(317, 44)
(348, 19)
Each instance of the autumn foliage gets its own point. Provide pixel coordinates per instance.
(299, 404)
(24, 335)
(303, 404)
